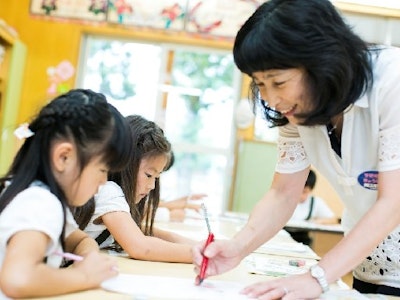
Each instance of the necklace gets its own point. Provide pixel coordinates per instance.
(331, 128)
(335, 136)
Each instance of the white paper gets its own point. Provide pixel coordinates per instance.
(288, 249)
(173, 288)
(276, 267)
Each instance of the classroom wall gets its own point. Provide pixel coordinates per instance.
(255, 166)
(49, 42)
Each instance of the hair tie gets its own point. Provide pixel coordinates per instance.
(23, 131)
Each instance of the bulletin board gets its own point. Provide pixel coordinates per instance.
(254, 173)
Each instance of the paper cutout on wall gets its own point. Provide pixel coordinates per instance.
(122, 8)
(165, 14)
(92, 10)
(219, 18)
(172, 13)
(58, 77)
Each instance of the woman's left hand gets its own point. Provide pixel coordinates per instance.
(289, 288)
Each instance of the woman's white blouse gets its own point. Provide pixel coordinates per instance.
(370, 144)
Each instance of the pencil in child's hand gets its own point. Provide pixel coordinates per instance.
(69, 256)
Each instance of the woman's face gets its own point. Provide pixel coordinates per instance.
(284, 90)
(149, 170)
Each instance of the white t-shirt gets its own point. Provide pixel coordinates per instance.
(320, 210)
(110, 198)
(370, 144)
(35, 208)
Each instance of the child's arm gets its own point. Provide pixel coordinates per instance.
(173, 237)
(80, 243)
(24, 273)
(129, 236)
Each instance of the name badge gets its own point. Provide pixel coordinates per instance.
(369, 180)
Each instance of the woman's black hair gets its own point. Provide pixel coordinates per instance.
(80, 116)
(312, 35)
(311, 180)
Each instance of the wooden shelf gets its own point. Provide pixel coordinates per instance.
(6, 36)
(11, 74)
(367, 9)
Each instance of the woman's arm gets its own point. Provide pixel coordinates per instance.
(352, 249)
(272, 212)
(129, 236)
(366, 235)
(268, 217)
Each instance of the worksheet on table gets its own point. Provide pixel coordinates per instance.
(173, 288)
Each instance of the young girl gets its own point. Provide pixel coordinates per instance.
(69, 149)
(125, 207)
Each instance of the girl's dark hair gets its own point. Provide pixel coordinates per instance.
(309, 34)
(148, 141)
(80, 116)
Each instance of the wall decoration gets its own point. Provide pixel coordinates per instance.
(219, 17)
(162, 14)
(210, 18)
(92, 10)
(121, 9)
(59, 76)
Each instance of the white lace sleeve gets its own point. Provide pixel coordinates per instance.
(386, 103)
(389, 149)
(291, 155)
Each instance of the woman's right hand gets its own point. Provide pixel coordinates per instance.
(223, 255)
(97, 267)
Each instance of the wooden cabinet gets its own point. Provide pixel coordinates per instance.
(325, 241)
(11, 73)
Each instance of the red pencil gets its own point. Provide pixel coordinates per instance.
(204, 262)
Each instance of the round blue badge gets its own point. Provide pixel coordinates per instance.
(369, 180)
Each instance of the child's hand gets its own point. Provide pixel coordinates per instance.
(97, 267)
(177, 215)
(184, 202)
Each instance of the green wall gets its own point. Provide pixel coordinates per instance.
(255, 168)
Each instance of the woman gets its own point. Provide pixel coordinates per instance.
(335, 100)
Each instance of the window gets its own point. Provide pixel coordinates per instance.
(190, 92)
